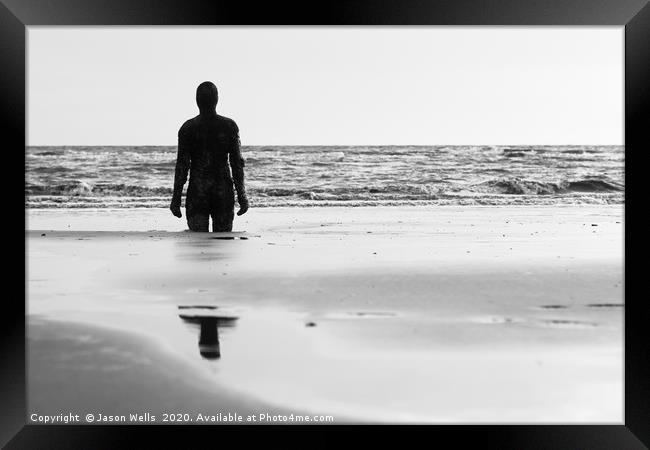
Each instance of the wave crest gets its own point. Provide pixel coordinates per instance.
(518, 186)
(83, 188)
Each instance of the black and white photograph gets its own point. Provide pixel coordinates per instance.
(324, 225)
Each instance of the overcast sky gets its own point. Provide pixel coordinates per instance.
(329, 85)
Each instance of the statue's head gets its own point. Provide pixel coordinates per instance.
(207, 96)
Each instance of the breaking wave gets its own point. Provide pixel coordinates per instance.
(126, 177)
(524, 187)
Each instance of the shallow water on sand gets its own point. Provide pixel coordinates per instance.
(443, 321)
(276, 357)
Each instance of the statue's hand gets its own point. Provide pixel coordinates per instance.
(243, 205)
(176, 210)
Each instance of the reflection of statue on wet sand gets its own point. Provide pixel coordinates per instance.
(209, 333)
(208, 147)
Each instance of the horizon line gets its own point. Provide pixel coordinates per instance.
(334, 145)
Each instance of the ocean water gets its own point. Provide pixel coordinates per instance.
(129, 177)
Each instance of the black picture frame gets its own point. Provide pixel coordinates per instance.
(634, 15)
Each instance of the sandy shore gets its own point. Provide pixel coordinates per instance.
(434, 314)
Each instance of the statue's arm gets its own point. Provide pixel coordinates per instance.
(237, 164)
(182, 166)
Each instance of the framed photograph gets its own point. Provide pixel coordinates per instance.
(359, 214)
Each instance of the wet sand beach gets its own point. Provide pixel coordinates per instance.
(451, 314)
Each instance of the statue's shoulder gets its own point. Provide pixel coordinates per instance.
(188, 125)
(228, 123)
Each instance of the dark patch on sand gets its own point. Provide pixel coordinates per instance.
(553, 306)
(569, 323)
(197, 307)
(373, 314)
(502, 320)
(605, 305)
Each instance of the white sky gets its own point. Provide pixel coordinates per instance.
(329, 85)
